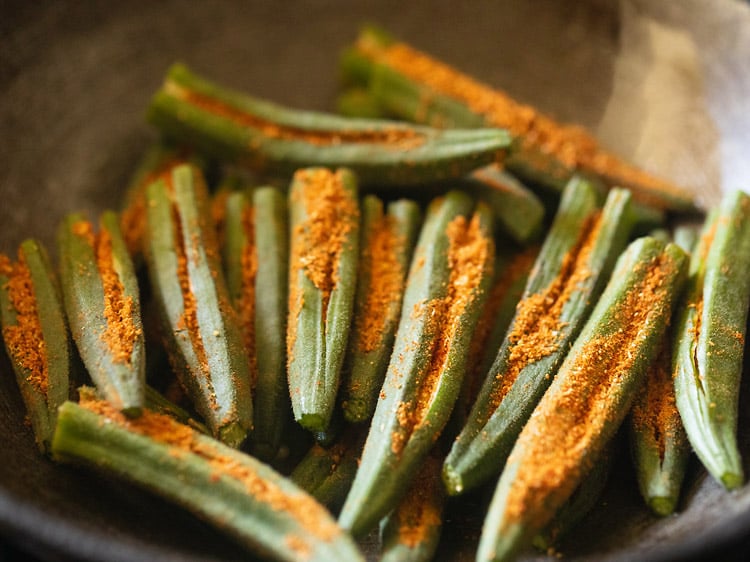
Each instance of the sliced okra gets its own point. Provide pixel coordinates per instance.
(448, 281)
(100, 292)
(659, 446)
(199, 326)
(231, 491)
(324, 221)
(710, 339)
(412, 531)
(386, 245)
(264, 136)
(36, 336)
(256, 259)
(414, 86)
(567, 278)
(588, 399)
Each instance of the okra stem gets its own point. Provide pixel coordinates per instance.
(710, 339)
(262, 135)
(588, 399)
(229, 490)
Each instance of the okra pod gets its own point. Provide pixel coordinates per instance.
(414, 86)
(36, 336)
(387, 243)
(358, 103)
(229, 490)
(659, 446)
(710, 332)
(157, 402)
(264, 136)
(568, 276)
(412, 531)
(102, 303)
(256, 261)
(324, 221)
(446, 288)
(327, 473)
(199, 326)
(588, 399)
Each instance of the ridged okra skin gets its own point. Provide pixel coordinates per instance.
(264, 136)
(36, 336)
(409, 84)
(712, 318)
(102, 303)
(229, 490)
(569, 274)
(199, 326)
(324, 227)
(256, 260)
(588, 399)
(387, 242)
(446, 288)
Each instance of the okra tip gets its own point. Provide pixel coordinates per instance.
(662, 505)
(233, 434)
(732, 481)
(452, 481)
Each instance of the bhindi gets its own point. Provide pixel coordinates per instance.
(264, 136)
(567, 278)
(229, 490)
(710, 339)
(102, 303)
(588, 399)
(198, 324)
(324, 226)
(446, 287)
(36, 336)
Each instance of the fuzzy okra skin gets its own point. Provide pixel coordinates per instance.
(387, 243)
(265, 136)
(324, 227)
(255, 250)
(231, 491)
(588, 399)
(102, 303)
(36, 336)
(446, 288)
(567, 278)
(199, 326)
(411, 85)
(710, 338)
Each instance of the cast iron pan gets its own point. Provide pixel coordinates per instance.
(664, 85)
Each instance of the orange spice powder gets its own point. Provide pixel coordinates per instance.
(561, 435)
(420, 510)
(468, 253)
(246, 302)
(537, 325)
(24, 339)
(318, 241)
(163, 429)
(386, 281)
(571, 145)
(400, 138)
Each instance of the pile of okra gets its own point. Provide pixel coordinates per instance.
(305, 328)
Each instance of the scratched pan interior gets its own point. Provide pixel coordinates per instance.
(663, 85)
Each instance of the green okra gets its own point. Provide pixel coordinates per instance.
(36, 336)
(710, 339)
(358, 103)
(102, 303)
(386, 245)
(585, 497)
(232, 491)
(411, 85)
(199, 326)
(446, 288)
(588, 398)
(157, 402)
(255, 250)
(264, 136)
(324, 226)
(412, 531)
(658, 443)
(686, 236)
(567, 278)
(327, 473)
